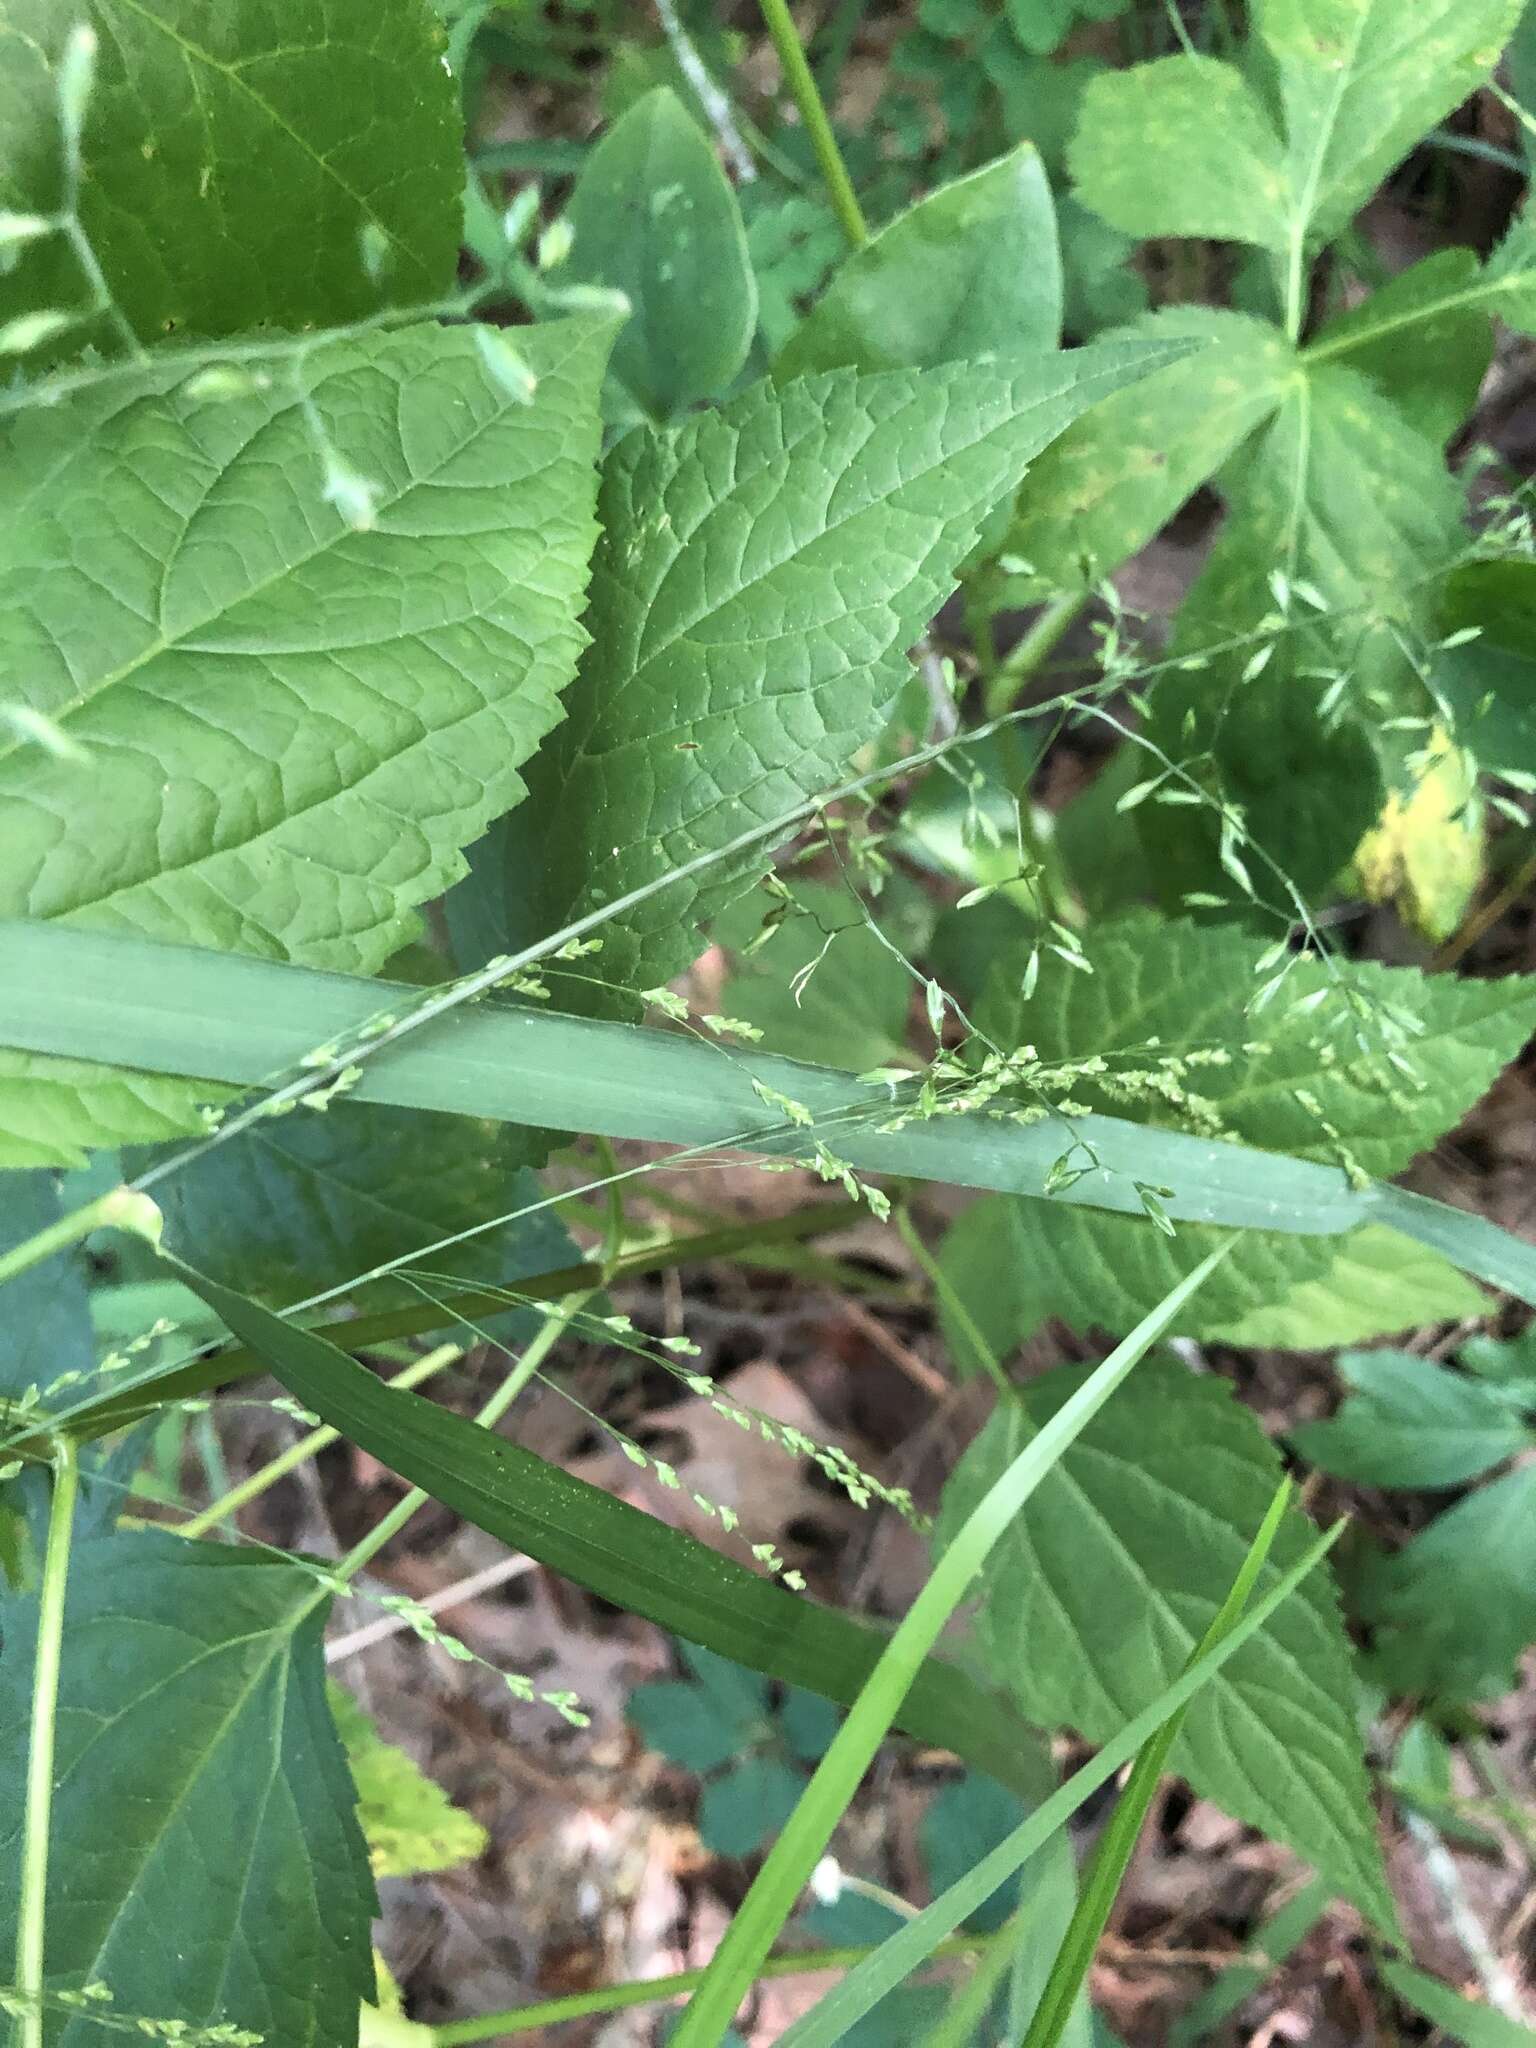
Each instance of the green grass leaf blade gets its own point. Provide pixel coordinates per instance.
(909, 1947)
(784, 1875)
(616, 1551)
(1116, 1845)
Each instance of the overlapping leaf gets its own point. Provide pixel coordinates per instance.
(761, 573)
(971, 273)
(344, 105)
(209, 1868)
(1107, 1580)
(291, 723)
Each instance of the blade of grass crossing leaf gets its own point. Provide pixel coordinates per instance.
(1112, 1857)
(794, 1855)
(906, 1950)
(632, 1559)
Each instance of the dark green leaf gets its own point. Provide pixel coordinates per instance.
(1111, 1574)
(304, 1203)
(614, 1550)
(964, 1822)
(1420, 343)
(970, 273)
(654, 218)
(809, 1724)
(207, 1864)
(1491, 681)
(1410, 1422)
(824, 987)
(682, 1723)
(745, 1808)
(1455, 1607)
(234, 159)
(45, 1316)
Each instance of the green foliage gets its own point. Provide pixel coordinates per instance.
(1409, 1422)
(332, 100)
(1280, 1079)
(1108, 1578)
(971, 273)
(200, 1787)
(411, 1826)
(761, 573)
(351, 614)
(255, 785)
(295, 1201)
(653, 217)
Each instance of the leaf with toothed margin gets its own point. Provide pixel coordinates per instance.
(290, 723)
(762, 572)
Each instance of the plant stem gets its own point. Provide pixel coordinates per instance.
(534, 1355)
(31, 1918)
(813, 114)
(528, 2019)
(305, 1448)
(118, 1209)
(1004, 685)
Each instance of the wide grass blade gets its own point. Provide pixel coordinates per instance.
(821, 1806)
(910, 1947)
(621, 1554)
(225, 1017)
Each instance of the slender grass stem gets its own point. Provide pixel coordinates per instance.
(305, 1448)
(118, 1209)
(1010, 676)
(807, 98)
(31, 1918)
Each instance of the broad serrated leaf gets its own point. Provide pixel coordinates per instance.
(1379, 1283)
(1165, 1007)
(1453, 1609)
(1424, 339)
(409, 1823)
(653, 217)
(970, 273)
(1361, 80)
(207, 1864)
(301, 1203)
(345, 106)
(1409, 1421)
(1357, 514)
(291, 725)
(1115, 477)
(45, 1326)
(1182, 146)
(1106, 1581)
(762, 571)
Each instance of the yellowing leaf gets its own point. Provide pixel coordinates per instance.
(1427, 853)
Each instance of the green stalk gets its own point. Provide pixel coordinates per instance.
(1010, 676)
(307, 1447)
(1111, 1858)
(579, 2005)
(813, 114)
(806, 1833)
(118, 1209)
(31, 1917)
(534, 1355)
(951, 1304)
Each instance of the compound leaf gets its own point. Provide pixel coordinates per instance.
(1181, 146)
(1411, 1422)
(1116, 476)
